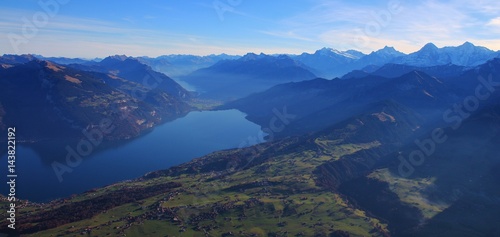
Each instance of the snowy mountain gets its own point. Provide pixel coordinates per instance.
(466, 54)
(329, 63)
(379, 57)
(337, 54)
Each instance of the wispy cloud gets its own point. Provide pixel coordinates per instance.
(495, 22)
(93, 37)
(286, 35)
(341, 24)
(337, 24)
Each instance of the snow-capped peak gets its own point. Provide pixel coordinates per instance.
(466, 54)
(390, 51)
(348, 54)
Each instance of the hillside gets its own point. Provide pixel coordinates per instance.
(51, 101)
(318, 103)
(132, 70)
(358, 176)
(410, 155)
(252, 190)
(233, 79)
(340, 180)
(396, 70)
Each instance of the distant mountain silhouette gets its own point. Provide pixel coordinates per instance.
(319, 103)
(181, 65)
(16, 59)
(329, 63)
(404, 154)
(231, 79)
(395, 70)
(379, 57)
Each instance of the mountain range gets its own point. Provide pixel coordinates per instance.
(394, 70)
(466, 54)
(326, 62)
(330, 63)
(318, 102)
(230, 79)
(402, 145)
(53, 101)
(367, 171)
(179, 65)
(236, 78)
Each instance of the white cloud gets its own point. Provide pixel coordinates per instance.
(344, 25)
(494, 22)
(338, 24)
(82, 37)
(286, 35)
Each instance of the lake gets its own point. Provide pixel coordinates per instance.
(169, 144)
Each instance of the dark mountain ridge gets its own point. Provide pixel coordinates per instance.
(320, 102)
(54, 101)
(334, 170)
(395, 70)
(132, 70)
(180, 65)
(229, 79)
(330, 63)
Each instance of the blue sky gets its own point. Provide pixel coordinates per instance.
(91, 28)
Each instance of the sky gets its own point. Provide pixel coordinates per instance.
(92, 28)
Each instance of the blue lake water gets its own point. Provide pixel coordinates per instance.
(169, 144)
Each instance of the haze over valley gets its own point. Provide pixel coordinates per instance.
(224, 118)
